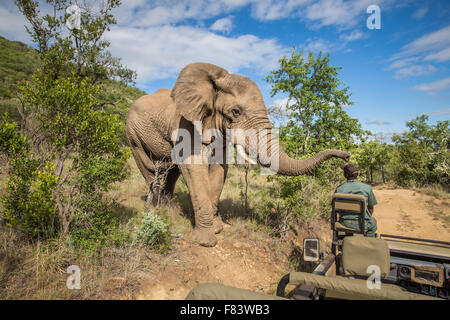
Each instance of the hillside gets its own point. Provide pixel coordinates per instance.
(18, 62)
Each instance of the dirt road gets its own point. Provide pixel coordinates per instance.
(409, 213)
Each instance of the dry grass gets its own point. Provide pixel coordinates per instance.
(38, 270)
(442, 200)
(435, 190)
(232, 204)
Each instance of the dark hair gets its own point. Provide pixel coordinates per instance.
(350, 171)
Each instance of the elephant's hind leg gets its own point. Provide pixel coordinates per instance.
(142, 164)
(147, 169)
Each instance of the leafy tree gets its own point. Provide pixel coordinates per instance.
(316, 121)
(422, 153)
(28, 203)
(315, 104)
(82, 50)
(66, 111)
(373, 156)
(12, 145)
(77, 137)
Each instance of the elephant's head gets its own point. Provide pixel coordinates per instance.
(205, 91)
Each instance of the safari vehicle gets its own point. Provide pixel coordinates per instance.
(359, 267)
(387, 267)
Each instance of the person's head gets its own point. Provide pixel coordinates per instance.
(350, 171)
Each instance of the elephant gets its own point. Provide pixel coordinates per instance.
(206, 94)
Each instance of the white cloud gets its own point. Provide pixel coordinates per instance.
(414, 71)
(432, 87)
(224, 25)
(432, 41)
(161, 52)
(420, 13)
(410, 60)
(403, 62)
(273, 10)
(378, 122)
(140, 13)
(441, 56)
(354, 35)
(318, 45)
(340, 13)
(12, 24)
(443, 112)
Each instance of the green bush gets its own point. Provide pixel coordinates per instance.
(29, 203)
(292, 201)
(154, 232)
(421, 155)
(12, 144)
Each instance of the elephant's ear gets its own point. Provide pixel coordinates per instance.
(195, 90)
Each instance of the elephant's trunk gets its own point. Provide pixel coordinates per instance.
(270, 154)
(294, 167)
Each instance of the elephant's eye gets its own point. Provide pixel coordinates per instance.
(236, 112)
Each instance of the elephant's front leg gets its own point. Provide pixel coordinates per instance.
(197, 180)
(217, 176)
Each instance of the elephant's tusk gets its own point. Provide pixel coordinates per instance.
(241, 151)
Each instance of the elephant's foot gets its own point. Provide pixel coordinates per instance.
(205, 237)
(217, 224)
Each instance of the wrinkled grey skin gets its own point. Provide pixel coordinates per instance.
(207, 93)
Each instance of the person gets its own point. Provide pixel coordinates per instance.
(356, 187)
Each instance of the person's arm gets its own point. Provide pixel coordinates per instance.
(371, 204)
(371, 210)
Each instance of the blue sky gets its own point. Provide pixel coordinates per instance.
(394, 73)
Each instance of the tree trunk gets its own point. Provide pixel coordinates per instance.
(371, 174)
(148, 203)
(247, 168)
(62, 157)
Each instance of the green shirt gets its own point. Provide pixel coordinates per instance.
(357, 187)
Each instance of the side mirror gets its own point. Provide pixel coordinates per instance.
(311, 250)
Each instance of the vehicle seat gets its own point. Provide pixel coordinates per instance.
(342, 204)
(348, 203)
(359, 253)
